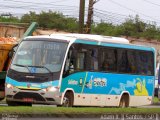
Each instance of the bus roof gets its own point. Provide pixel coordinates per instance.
(98, 38)
(89, 38)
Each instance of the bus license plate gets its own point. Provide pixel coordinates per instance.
(28, 99)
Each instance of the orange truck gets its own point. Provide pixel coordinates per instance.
(6, 47)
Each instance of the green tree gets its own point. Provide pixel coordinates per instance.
(9, 19)
(52, 20)
(103, 28)
(71, 25)
(133, 27)
(150, 32)
(28, 18)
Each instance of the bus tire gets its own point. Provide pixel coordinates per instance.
(124, 102)
(11, 103)
(68, 99)
(1, 99)
(59, 105)
(24, 104)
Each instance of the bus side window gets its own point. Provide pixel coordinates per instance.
(87, 59)
(70, 64)
(145, 63)
(122, 61)
(151, 64)
(80, 60)
(94, 59)
(132, 66)
(109, 60)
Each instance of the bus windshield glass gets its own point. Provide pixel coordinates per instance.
(39, 56)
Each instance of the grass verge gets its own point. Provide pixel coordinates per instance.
(74, 110)
(155, 100)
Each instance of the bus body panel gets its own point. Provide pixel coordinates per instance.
(95, 88)
(109, 100)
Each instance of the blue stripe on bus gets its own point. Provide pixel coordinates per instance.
(129, 46)
(86, 42)
(32, 85)
(145, 48)
(109, 83)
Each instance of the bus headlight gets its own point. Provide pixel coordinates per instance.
(10, 86)
(50, 89)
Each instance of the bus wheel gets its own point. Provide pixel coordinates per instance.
(124, 102)
(25, 104)
(13, 103)
(68, 99)
(1, 99)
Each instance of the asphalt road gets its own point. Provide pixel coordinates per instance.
(82, 119)
(59, 119)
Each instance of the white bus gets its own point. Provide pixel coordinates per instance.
(81, 70)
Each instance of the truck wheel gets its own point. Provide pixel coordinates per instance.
(68, 100)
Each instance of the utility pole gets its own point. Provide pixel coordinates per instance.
(90, 16)
(81, 16)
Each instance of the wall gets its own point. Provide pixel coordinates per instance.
(11, 31)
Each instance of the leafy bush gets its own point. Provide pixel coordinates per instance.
(133, 27)
(52, 20)
(9, 19)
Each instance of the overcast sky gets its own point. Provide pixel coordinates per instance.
(106, 10)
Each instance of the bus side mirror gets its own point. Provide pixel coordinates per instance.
(10, 54)
(12, 51)
(71, 68)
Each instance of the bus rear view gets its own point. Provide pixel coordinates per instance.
(34, 73)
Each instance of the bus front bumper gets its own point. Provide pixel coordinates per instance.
(33, 96)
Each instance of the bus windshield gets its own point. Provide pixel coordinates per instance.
(39, 56)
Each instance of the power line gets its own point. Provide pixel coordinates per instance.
(108, 15)
(59, 1)
(117, 15)
(67, 9)
(35, 3)
(132, 10)
(108, 18)
(104, 12)
(152, 3)
(38, 8)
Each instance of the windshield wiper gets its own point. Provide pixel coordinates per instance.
(23, 66)
(34, 66)
(42, 67)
